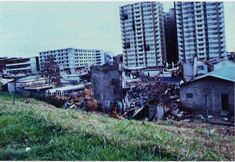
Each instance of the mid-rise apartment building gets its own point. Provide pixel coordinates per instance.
(25, 66)
(171, 37)
(70, 59)
(4, 61)
(200, 30)
(143, 36)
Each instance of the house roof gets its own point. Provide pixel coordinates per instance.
(227, 73)
(65, 88)
(5, 81)
(30, 78)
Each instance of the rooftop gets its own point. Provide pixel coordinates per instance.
(66, 88)
(30, 78)
(227, 73)
(5, 81)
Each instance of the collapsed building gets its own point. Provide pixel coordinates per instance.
(153, 99)
(139, 98)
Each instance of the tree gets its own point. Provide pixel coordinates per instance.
(51, 70)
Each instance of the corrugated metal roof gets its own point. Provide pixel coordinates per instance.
(227, 73)
(65, 88)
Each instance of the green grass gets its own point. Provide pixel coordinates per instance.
(57, 134)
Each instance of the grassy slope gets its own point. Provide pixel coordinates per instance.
(57, 134)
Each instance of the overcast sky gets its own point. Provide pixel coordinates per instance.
(27, 28)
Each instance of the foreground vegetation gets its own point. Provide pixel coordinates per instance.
(38, 131)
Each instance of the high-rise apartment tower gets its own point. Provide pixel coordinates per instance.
(143, 36)
(200, 30)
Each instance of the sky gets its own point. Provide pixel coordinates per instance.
(26, 28)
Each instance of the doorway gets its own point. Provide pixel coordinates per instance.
(224, 102)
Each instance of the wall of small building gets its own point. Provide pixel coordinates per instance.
(188, 71)
(106, 83)
(193, 95)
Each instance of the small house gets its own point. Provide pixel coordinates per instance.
(213, 92)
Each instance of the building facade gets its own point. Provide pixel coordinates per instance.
(70, 59)
(4, 61)
(25, 66)
(143, 36)
(171, 37)
(200, 30)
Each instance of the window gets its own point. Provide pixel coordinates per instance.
(189, 95)
(127, 45)
(147, 47)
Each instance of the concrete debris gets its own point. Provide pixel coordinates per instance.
(148, 99)
(155, 100)
(225, 119)
(210, 116)
(91, 105)
(114, 113)
(83, 100)
(27, 100)
(187, 120)
(160, 112)
(200, 116)
(140, 113)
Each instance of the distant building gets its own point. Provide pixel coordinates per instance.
(200, 30)
(196, 68)
(231, 55)
(71, 59)
(118, 59)
(223, 64)
(28, 83)
(213, 92)
(27, 66)
(4, 61)
(69, 78)
(171, 37)
(108, 57)
(9, 60)
(143, 35)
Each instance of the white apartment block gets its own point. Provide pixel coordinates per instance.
(25, 66)
(70, 59)
(143, 36)
(200, 30)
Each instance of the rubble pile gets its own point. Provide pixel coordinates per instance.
(82, 100)
(153, 99)
(148, 98)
